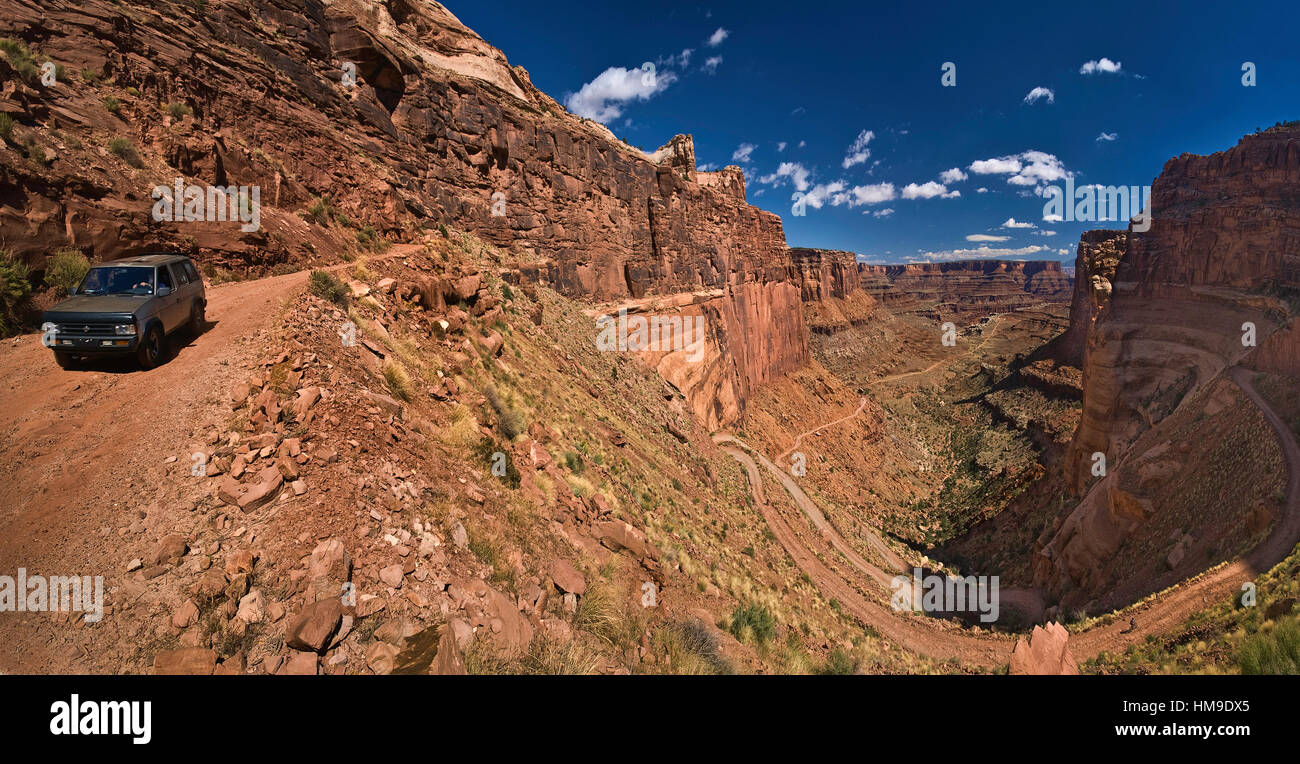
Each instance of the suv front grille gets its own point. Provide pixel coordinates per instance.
(87, 330)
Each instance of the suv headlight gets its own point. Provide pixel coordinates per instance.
(125, 329)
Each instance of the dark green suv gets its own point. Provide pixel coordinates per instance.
(127, 306)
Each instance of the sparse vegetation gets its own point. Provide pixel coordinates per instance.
(65, 269)
(178, 110)
(1276, 651)
(6, 127)
(15, 291)
(112, 104)
(398, 381)
(123, 148)
(512, 421)
(324, 285)
(20, 58)
(753, 623)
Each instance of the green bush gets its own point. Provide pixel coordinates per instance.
(126, 150)
(65, 269)
(1272, 652)
(325, 286)
(15, 290)
(112, 104)
(6, 126)
(839, 663)
(753, 623)
(20, 58)
(178, 110)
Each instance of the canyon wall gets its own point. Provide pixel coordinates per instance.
(1163, 315)
(965, 289)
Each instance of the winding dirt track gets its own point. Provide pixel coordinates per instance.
(1157, 615)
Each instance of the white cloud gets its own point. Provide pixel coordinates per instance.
(802, 144)
(1052, 218)
(603, 98)
(1104, 66)
(985, 237)
(781, 146)
(981, 190)
(1040, 92)
(792, 171)
(707, 167)
(717, 37)
(858, 151)
(1045, 233)
(1107, 136)
(886, 212)
(873, 194)
(742, 153)
(1028, 168)
(981, 253)
(823, 192)
(1013, 223)
(955, 175)
(711, 64)
(928, 190)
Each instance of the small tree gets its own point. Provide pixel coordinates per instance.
(65, 269)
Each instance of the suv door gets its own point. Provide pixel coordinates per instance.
(168, 305)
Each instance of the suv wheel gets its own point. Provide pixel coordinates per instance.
(196, 319)
(65, 360)
(151, 348)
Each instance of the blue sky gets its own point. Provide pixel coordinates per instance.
(819, 78)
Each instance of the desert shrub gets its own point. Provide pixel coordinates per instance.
(20, 58)
(178, 110)
(1272, 652)
(486, 452)
(15, 290)
(397, 380)
(65, 269)
(112, 104)
(690, 647)
(324, 285)
(838, 663)
(753, 623)
(600, 613)
(321, 211)
(6, 127)
(126, 150)
(513, 422)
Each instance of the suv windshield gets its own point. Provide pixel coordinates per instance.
(118, 280)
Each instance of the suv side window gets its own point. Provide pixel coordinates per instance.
(191, 271)
(182, 278)
(164, 278)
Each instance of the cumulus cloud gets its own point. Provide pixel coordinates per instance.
(928, 190)
(603, 98)
(822, 193)
(743, 152)
(886, 212)
(858, 151)
(873, 194)
(1013, 223)
(982, 253)
(955, 175)
(1107, 136)
(1045, 233)
(780, 146)
(981, 190)
(717, 37)
(711, 64)
(1104, 66)
(1040, 92)
(791, 171)
(985, 237)
(1033, 169)
(1052, 218)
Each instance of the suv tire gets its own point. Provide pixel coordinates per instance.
(150, 352)
(197, 319)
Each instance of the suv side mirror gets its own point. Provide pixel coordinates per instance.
(163, 290)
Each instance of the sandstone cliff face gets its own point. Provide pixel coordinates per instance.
(1094, 275)
(965, 289)
(1222, 243)
(825, 273)
(438, 128)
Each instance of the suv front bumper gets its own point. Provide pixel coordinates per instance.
(72, 343)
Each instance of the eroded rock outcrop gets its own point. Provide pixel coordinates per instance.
(965, 289)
